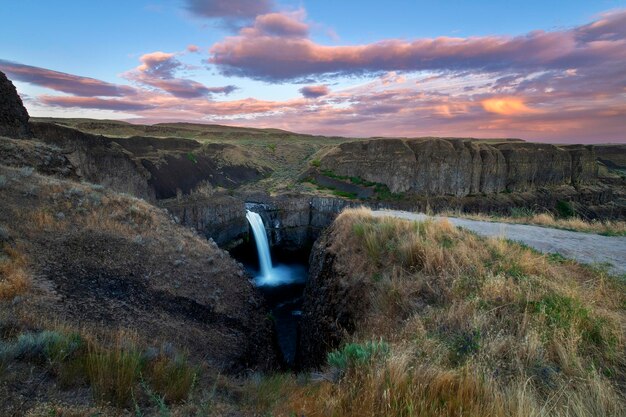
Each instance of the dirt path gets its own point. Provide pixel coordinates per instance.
(583, 247)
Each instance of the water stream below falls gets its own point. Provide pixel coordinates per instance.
(282, 286)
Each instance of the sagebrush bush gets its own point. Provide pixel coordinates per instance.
(357, 354)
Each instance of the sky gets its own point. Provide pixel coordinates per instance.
(552, 71)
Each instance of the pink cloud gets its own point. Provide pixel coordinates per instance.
(193, 49)
(61, 81)
(314, 91)
(256, 54)
(94, 103)
(158, 70)
(285, 25)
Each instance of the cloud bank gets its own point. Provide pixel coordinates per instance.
(273, 57)
(567, 85)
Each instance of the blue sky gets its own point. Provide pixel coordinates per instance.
(105, 40)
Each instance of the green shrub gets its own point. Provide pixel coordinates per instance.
(464, 345)
(558, 311)
(345, 194)
(316, 163)
(556, 258)
(519, 212)
(47, 345)
(566, 313)
(355, 354)
(565, 209)
(192, 157)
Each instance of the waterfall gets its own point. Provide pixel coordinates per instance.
(262, 244)
(270, 276)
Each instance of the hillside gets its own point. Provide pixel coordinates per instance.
(430, 320)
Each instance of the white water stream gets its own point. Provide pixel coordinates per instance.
(270, 275)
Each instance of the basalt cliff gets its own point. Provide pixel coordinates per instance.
(460, 167)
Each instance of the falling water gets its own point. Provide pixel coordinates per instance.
(262, 245)
(270, 275)
(282, 287)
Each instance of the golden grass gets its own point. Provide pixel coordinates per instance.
(14, 277)
(113, 373)
(604, 227)
(171, 378)
(476, 327)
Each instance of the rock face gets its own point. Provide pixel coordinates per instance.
(152, 168)
(220, 217)
(461, 167)
(13, 115)
(613, 156)
(334, 301)
(98, 159)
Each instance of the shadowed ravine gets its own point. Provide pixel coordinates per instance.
(282, 286)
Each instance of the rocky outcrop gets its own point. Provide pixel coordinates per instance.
(460, 167)
(13, 115)
(218, 217)
(31, 154)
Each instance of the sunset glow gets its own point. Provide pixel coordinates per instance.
(271, 64)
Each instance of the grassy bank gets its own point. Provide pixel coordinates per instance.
(458, 325)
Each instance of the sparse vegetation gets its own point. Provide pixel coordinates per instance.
(528, 216)
(192, 157)
(113, 368)
(14, 276)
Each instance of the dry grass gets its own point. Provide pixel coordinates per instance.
(115, 365)
(476, 327)
(113, 372)
(14, 277)
(604, 227)
(173, 379)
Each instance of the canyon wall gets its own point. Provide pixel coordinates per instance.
(460, 167)
(296, 220)
(152, 168)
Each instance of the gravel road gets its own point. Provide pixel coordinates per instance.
(584, 247)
